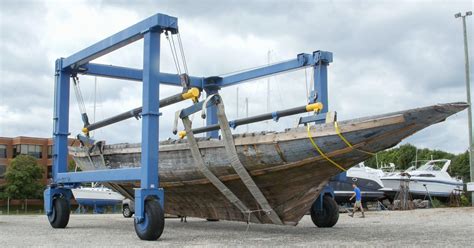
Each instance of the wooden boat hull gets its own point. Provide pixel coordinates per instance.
(285, 166)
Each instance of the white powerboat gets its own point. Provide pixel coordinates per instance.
(97, 196)
(366, 178)
(432, 178)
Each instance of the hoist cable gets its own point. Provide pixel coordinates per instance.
(175, 57)
(176, 53)
(306, 85)
(176, 64)
(79, 98)
(182, 54)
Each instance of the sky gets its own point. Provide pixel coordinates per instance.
(387, 56)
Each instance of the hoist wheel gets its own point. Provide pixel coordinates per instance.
(60, 215)
(328, 216)
(153, 223)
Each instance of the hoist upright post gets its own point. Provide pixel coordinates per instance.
(149, 183)
(61, 118)
(321, 79)
(150, 114)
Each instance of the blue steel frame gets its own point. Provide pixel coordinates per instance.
(149, 29)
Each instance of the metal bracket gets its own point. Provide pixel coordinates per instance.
(316, 118)
(141, 195)
(175, 122)
(85, 141)
(52, 192)
(313, 96)
(319, 118)
(212, 84)
(323, 56)
(327, 190)
(196, 107)
(275, 116)
(301, 58)
(185, 82)
(232, 124)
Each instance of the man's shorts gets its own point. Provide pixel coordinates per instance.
(358, 204)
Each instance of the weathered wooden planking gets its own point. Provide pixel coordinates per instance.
(284, 165)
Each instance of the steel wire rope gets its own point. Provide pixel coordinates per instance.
(183, 57)
(176, 52)
(79, 98)
(175, 57)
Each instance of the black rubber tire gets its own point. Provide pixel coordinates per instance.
(152, 226)
(60, 215)
(330, 214)
(127, 213)
(212, 220)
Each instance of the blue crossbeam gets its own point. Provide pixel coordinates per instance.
(121, 39)
(126, 73)
(302, 60)
(129, 174)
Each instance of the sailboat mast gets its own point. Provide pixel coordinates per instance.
(237, 103)
(95, 96)
(247, 111)
(268, 87)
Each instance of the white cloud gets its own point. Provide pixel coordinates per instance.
(388, 56)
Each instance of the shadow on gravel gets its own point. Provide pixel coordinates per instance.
(233, 227)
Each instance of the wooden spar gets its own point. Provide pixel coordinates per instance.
(285, 166)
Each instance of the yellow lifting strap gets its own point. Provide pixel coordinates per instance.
(322, 153)
(338, 131)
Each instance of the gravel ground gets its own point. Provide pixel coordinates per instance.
(453, 227)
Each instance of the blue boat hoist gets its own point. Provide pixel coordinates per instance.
(149, 198)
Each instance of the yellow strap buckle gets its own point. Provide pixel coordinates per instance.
(192, 93)
(85, 130)
(314, 107)
(182, 134)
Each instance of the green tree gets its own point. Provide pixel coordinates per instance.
(460, 167)
(3, 194)
(22, 178)
(405, 154)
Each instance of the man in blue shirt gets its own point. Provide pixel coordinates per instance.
(358, 203)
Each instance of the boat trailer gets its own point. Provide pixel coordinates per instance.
(149, 198)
